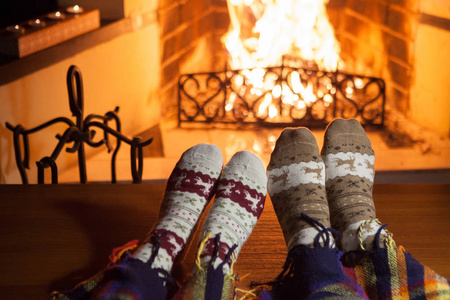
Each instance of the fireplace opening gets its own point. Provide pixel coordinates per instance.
(375, 39)
(376, 54)
(286, 70)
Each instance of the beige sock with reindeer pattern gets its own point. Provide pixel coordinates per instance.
(349, 161)
(296, 185)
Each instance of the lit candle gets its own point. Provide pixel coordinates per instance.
(76, 9)
(56, 15)
(36, 23)
(16, 29)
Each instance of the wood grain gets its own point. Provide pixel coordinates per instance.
(53, 236)
(52, 33)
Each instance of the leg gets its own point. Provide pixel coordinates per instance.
(297, 188)
(239, 202)
(382, 269)
(146, 274)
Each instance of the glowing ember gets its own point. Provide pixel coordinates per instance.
(264, 105)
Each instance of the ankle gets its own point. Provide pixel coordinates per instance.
(362, 235)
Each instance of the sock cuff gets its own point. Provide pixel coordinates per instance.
(307, 236)
(353, 236)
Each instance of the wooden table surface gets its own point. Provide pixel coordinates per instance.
(53, 236)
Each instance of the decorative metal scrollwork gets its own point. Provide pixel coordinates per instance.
(278, 97)
(79, 133)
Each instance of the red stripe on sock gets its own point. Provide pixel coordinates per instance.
(172, 243)
(224, 248)
(183, 180)
(248, 198)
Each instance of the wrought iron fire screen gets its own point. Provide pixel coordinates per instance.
(278, 97)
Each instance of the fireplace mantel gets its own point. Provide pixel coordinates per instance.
(15, 68)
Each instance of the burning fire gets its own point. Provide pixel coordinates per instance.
(285, 70)
(263, 32)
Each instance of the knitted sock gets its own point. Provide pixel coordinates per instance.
(189, 188)
(349, 161)
(296, 185)
(239, 201)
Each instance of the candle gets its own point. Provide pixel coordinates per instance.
(76, 9)
(56, 15)
(16, 29)
(36, 23)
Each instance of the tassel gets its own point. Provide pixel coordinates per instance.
(119, 251)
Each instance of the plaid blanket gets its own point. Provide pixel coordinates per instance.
(309, 273)
(389, 272)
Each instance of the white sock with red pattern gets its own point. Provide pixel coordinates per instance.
(239, 201)
(189, 188)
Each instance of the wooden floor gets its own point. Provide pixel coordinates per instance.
(53, 236)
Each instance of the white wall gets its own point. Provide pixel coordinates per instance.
(430, 93)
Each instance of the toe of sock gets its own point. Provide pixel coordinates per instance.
(291, 136)
(346, 136)
(249, 161)
(344, 126)
(208, 152)
(293, 146)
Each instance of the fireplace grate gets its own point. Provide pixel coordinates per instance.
(279, 97)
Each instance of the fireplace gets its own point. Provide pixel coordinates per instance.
(401, 42)
(286, 70)
(378, 39)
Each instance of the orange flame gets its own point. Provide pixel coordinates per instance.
(263, 31)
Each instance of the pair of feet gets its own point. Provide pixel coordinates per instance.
(240, 191)
(333, 187)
